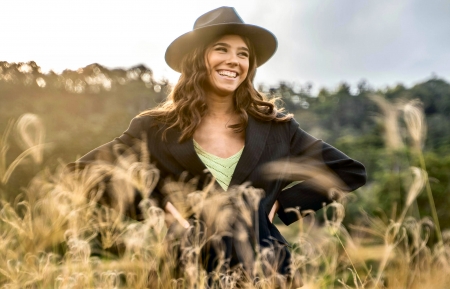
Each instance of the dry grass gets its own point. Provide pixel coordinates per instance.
(56, 235)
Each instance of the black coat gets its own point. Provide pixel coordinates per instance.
(264, 142)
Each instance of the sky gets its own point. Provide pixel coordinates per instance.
(323, 42)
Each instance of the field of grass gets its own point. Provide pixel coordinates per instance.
(57, 234)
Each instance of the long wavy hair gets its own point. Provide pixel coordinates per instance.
(186, 104)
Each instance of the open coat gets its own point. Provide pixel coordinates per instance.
(265, 142)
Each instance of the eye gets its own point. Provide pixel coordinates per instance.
(221, 48)
(243, 54)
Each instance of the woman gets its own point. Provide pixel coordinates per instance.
(215, 119)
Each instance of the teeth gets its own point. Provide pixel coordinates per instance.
(227, 73)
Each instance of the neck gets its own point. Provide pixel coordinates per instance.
(220, 106)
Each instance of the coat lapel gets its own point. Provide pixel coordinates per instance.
(255, 140)
(256, 135)
(184, 153)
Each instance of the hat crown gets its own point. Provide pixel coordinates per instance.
(221, 21)
(221, 15)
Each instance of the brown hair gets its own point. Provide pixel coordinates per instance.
(186, 104)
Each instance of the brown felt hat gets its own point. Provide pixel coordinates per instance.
(220, 21)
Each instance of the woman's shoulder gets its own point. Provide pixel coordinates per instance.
(148, 120)
(281, 120)
(141, 123)
(286, 124)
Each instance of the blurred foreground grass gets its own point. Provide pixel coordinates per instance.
(56, 235)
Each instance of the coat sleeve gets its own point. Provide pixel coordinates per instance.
(128, 147)
(308, 195)
(108, 152)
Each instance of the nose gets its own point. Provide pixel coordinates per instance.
(232, 60)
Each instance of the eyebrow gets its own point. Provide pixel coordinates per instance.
(228, 45)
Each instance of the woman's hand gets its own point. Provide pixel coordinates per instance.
(273, 211)
(169, 208)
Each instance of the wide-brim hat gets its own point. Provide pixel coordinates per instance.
(221, 21)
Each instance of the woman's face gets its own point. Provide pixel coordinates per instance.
(227, 61)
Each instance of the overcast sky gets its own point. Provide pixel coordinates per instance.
(320, 41)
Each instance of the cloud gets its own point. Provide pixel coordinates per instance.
(383, 41)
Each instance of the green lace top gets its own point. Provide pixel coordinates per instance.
(222, 169)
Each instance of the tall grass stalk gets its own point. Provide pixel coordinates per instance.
(415, 123)
(431, 199)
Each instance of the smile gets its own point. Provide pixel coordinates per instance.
(228, 73)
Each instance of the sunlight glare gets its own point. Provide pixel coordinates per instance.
(133, 74)
(41, 82)
(146, 77)
(25, 68)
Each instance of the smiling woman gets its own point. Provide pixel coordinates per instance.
(227, 63)
(215, 123)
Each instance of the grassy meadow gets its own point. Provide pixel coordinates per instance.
(55, 231)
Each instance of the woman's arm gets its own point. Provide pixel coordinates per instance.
(119, 155)
(316, 157)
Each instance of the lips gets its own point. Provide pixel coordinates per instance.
(228, 73)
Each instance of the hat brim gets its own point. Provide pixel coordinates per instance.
(263, 41)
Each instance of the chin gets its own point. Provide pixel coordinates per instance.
(221, 90)
(226, 91)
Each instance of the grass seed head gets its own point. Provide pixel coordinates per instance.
(415, 122)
